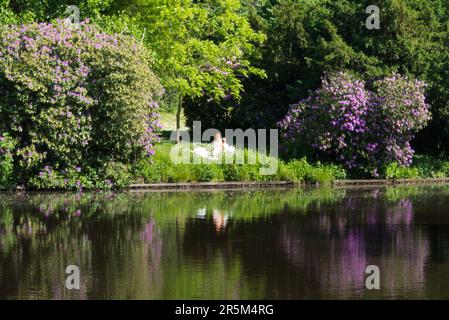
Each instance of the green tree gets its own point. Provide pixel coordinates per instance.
(308, 38)
(202, 48)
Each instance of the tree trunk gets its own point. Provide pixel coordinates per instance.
(178, 120)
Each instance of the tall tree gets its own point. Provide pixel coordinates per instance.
(202, 48)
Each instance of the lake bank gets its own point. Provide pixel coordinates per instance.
(225, 185)
(291, 184)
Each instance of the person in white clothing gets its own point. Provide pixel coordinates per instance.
(219, 145)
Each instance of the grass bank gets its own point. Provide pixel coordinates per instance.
(161, 169)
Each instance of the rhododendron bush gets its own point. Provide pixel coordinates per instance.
(364, 127)
(72, 97)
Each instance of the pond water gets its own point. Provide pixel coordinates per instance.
(266, 244)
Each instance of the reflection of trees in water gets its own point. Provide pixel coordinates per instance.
(152, 239)
(323, 253)
(119, 255)
(212, 257)
(125, 263)
(258, 244)
(352, 235)
(34, 265)
(402, 214)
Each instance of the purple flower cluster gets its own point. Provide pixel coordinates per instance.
(152, 126)
(360, 128)
(2, 150)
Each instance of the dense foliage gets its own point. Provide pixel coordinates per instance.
(75, 97)
(308, 38)
(228, 63)
(362, 129)
(6, 161)
(202, 49)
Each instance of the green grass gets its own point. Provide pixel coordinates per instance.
(161, 169)
(422, 167)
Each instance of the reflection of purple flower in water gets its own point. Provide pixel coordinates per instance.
(48, 212)
(334, 247)
(151, 236)
(347, 263)
(407, 263)
(401, 214)
(45, 211)
(354, 253)
(292, 246)
(324, 223)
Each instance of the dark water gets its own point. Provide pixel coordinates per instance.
(281, 244)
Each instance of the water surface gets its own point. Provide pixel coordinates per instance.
(267, 244)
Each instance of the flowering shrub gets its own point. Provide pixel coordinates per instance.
(106, 176)
(360, 128)
(75, 97)
(6, 160)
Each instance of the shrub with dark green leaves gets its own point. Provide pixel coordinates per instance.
(6, 160)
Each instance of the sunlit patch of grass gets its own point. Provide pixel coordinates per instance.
(161, 169)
